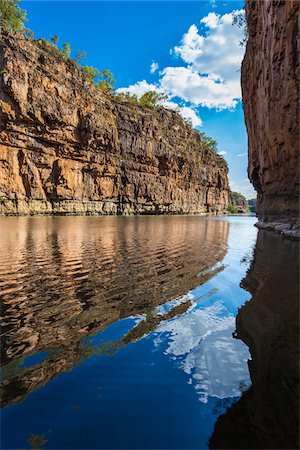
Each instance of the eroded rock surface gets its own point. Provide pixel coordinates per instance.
(270, 85)
(66, 147)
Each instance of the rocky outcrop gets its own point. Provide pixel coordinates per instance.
(66, 147)
(267, 415)
(270, 85)
(238, 203)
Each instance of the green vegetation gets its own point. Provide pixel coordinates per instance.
(80, 55)
(126, 97)
(238, 203)
(66, 51)
(12, 16)
(37, 441)
(209, 143)
(232, 209)
(152, 99)
(237, 197)
(104, 80)
(54, 39)
(252, 205)
(239, 19)
(211, 147)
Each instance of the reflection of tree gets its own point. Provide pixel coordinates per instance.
(73, 277)
(267, 415)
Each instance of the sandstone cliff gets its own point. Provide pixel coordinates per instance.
(238, 203)
(66, 147)
(270, 85)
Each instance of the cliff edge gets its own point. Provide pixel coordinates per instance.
(68, 148)
(270, 87)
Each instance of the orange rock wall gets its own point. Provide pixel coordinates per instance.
(270, 85)
(66, 147)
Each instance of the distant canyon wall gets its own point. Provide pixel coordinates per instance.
(66, 147)
(270, 85)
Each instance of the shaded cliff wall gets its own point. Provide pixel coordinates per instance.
(270, 85)
(66, 147)
(267, 415)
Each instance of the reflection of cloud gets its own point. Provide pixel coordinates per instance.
(203, 342)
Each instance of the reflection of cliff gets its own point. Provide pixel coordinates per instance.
(267, 415)
(64, 278)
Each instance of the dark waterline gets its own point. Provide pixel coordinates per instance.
(117, 331)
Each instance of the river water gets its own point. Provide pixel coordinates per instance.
(119, 332)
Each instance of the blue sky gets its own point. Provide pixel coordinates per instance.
(188, 49)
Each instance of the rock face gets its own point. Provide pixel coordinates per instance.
(239, 202)
(66, 147)
(270, 85)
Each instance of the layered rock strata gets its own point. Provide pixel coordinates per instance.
(66, 147)
(270, 85)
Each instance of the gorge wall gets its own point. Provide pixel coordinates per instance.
(270, 85)
(66, 147)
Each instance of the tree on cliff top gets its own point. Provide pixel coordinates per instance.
(11, 15)
(209, 143)
(152, 98)
(66, 51)
(105, 78)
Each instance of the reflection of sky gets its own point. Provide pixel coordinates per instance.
(200, 341)
(146, 394)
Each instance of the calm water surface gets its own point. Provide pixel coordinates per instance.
(117, 332)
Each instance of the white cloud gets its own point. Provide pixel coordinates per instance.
(210, 75)
(190, 114)
(154, 67)
(222, 153)
(239, 155)
(214, 57)
(200, 90)
(213, 3)
(211, 20)
(141, 87)
(216, 52)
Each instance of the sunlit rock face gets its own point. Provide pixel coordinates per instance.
(66, 147)
(267, 416)
(65, 278)
(270, 85)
